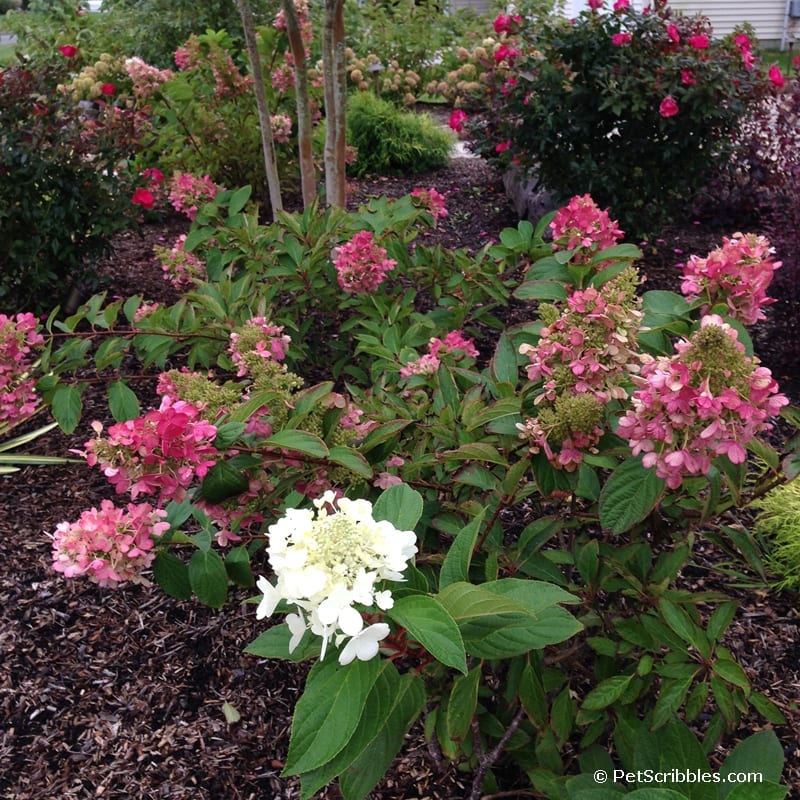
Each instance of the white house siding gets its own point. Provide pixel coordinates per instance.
(766, 16)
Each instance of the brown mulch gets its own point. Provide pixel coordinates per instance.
(121, 693)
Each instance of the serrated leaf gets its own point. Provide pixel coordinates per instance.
(122, 402)
(299, 442)
(429, 622)
(66, 407)
(759, 753)
(606, 692)
(350, 459)
(328, 712)
(172, 575)
(274, 643)
(462, 703)
(222, 481)
(629, 495)
(457, 560)
(237, 565)
(401, 505)
(208, 578)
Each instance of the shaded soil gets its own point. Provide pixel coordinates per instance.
(120, 694)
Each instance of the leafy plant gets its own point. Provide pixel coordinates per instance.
(64, 188)
(389, 141)
(778, 521)
(611, 104)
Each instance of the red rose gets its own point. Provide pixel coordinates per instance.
(673, 34)
(621, 39)
(68, 50)
(154, 175)
(700, 41)
(108, 89)
(143, 198)
(776, 76)
(668, 107)
(457, 120)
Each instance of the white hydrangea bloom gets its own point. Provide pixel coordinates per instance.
(329, 562)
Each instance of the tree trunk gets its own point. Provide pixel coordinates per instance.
(308, 176)
(267, 143)
(334, 64)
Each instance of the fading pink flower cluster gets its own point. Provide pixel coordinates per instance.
(361, 264)
(737, 274)
(110, 545)
(161, 453)
(707, 400)
(592, 346)
(228, 79)
(147, 80)
(180, 267)
(281, 125)
(582, 224)
(257, 341)
(432, 201)
(187, 192)
(584, 357)
(454, 343)
(303, 19)
(19, 339)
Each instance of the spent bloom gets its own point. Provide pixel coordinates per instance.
(737, 274)
(109, 545)
(361, 264)
(708, 399)
(161, 453)
(19, 342)
(329, 562)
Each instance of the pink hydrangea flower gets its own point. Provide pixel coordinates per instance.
(582, 225)
(20, 341)
(432, 201)
(361, 264)
(161, 453)
(455, 345)
(737, 274)
(109, 545)
(188, 192)
(181, 268)
(707, 400)
(256, 341)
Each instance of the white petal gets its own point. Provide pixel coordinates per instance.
(364, 645)
(297, 626)
(269, 602)
(350, 621)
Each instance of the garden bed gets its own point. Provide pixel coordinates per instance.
(124, 694)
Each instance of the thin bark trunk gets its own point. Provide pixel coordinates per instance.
(267, 143)
(334, 64)
(308, 176)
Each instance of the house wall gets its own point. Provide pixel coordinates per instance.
(766, 16)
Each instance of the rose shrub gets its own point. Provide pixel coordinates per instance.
(638, 108)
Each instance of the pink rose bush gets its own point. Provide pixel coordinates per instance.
(736, 275)
(109, 545)
(20, 342)
(361, 264)
(707, 400)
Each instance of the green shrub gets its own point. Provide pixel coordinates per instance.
(62, 187)
(779, 522)
(390, 141)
